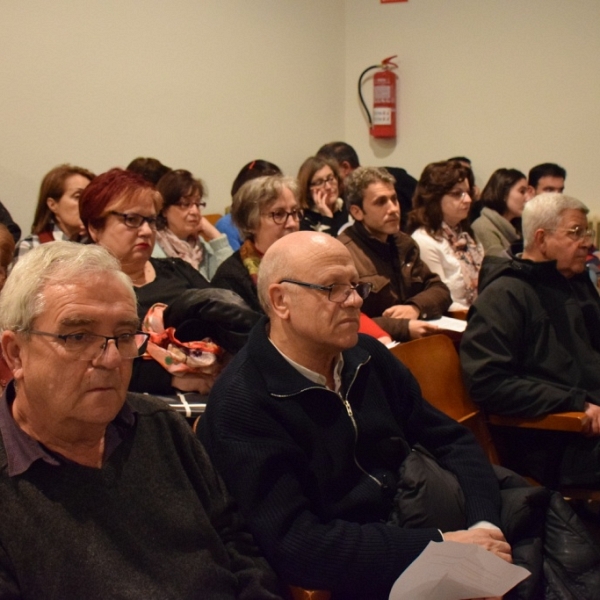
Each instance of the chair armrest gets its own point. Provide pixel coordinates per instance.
(564, 421)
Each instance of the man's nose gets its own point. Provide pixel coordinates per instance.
(109, 357)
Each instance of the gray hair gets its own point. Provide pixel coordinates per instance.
(57, 263)
(360, 179)
(254, 197)
(544, 212)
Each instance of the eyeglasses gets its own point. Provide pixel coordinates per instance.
(458, 195)
(188, 202)
(577, 234)
(280, 217)
(336, 292)
(89, 346)
(135, 221)
(322, 182)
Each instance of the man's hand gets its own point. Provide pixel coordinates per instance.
(418, 329)
(592, 427)
(489, 539)
(402, 311)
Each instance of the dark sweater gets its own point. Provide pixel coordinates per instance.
(154, 522)
(233, 275)
(287, 450)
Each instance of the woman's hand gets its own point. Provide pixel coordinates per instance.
(320, 200)
(208, 230)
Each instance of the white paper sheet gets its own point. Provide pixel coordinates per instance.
(449, 324)
(454, 571)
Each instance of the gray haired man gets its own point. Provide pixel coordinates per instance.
(104, 494)
(532, 344)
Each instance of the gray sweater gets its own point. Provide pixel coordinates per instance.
(494, 232)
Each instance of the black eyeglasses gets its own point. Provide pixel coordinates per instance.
(89, 346)
(336, 292)
(280, 217)
(135, 221)
(188, 201)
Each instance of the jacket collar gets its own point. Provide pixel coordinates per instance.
(280, 377)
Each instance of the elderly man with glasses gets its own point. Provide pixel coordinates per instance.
(104, 494)
(532, 344)
(309, 424)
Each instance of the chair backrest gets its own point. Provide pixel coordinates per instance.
(435, 364)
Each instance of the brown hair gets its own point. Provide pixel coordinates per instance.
(53, 186)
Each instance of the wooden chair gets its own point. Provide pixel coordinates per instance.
(435, 364)
(212, 218)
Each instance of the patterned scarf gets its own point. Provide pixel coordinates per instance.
(176, 248)
(469, 254)
(251, 258)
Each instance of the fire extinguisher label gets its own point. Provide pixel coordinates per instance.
(382, 116)
(382, 93)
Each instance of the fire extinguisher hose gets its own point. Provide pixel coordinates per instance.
(362, 100)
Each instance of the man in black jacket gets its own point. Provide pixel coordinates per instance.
(308, 427)
(532, 344)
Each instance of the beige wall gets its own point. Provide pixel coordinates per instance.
(509, 83)
(209, 85)
(205, 85)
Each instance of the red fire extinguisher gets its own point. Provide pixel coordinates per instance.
(383, 122)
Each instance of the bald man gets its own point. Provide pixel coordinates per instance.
(308, 423)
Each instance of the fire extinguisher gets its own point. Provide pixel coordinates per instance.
(383, 122)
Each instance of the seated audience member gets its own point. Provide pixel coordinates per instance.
(182, 230)
(7, 221)
(105, 494)
(547, 177)
(7, 249)
(119, 210)
(532, 344)
(57, 211)
(405, 292)
(503, 199)
(344, 155)
(319, 184)
(150, 169)
(264, 210)
(253, 170)
(309, 426)
(440, 226)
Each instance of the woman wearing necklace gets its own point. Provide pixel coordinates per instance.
(439, 224)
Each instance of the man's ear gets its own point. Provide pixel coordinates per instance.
(279, 298)
(357, 212)
(540, 239)
(11, 351)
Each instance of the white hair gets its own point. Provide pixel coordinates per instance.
(544, 212)
(56, 263)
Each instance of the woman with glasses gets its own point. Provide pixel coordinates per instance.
(182, 230)
(57, 211)
(440, 226)
(503, 198)
(320, 185)
(264, 210)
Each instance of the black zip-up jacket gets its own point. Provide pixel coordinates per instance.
(306, 464)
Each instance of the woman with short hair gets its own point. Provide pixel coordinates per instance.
(181, 228)
(264, 210)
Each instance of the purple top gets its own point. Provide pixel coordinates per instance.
(22, 450)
